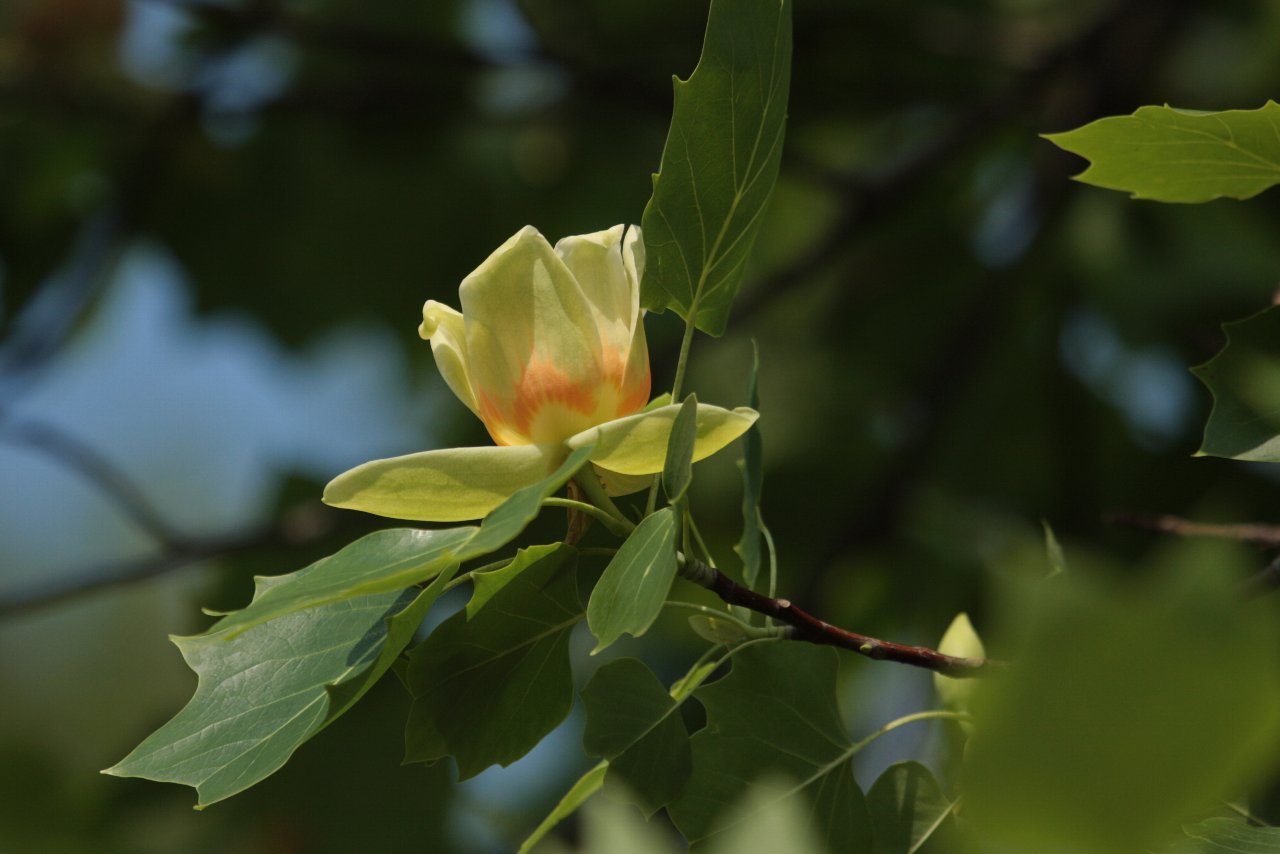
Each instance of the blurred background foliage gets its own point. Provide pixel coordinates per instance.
(218, 221)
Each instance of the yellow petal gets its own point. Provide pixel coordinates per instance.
(532, 345)
(449, 485)
(595, 260)
(637, 445)
(443, 327)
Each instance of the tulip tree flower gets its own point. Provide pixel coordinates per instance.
(549, 352)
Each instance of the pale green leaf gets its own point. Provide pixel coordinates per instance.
(1172, 155)
(748, 547)
(635, 724)
(586, 786)
(909, 813)
(767, 821)
(1226, 836)
(718, 629)
(633, 587)
(677, 471)
(1053, 551)
(774, 715)
(637, 444)
(1244, 379)
(491, 681)
(720, 162)
(447, 485)
(263, 693)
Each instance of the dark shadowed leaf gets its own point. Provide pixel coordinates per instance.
(748, 547)
(492, 680)
(774, 715)
(908, 811)
(635, 724)
(1226, 836)
(1245, 382)
(677, 472)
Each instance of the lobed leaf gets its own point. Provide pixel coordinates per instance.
(909, 813)
(266, 691)
(720, 162)
(492, 680)
(634, 724)
(1172, 155)
(1244, 379)
(774, 715)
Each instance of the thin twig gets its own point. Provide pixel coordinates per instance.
(806, 627)
(1248, 532)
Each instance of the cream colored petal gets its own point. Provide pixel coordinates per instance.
(633, 257)
(450, 485)
(637, 445)
(596, 261)
(532, 345)
(443, 327)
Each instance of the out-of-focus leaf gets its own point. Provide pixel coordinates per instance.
(720, 162)
(961, 640)
(748, 547)
(677, 471)
(1172, 155)
(775, 714)
(767, 821)
(492, 680)
(635, 724)
(586, 786)
(631, 591)
(717, 629)
(265, 691)
(908, 810)
(1226, 836)
(1053, 551)
(1124, 716)
(1245, 382)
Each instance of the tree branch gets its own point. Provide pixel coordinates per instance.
(1248, 532)
(806, 627)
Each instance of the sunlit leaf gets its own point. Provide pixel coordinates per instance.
(908, 811)
(1172, 155)
(962, 641)
(1245, 382)
(637, 444)
(633, 587)
(492, 680)
(767, 821)
(774, 715)
(1128, 713)
(269, 689)
(635, 724)
(720, 162)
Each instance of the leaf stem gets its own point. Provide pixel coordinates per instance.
(591, 510)
(594, 490)
(933, 714)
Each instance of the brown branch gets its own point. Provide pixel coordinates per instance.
(1248, 532)
(806, 627)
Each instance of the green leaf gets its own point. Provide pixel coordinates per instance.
(264, 692)
(493, 679)
(1245, 382)
(1226, 836)
(1127, 713)
(720, 162)
(631, 591)
(907, 810)
(775, 714)
(588, 784)
(748, 547)
(677, 471)
(396, 558)
(381, 562)
(962, 641)
(635, 724)
(718, 629)
(1172, 155)
(612, 827)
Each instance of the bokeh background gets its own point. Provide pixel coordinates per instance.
(218, 221)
